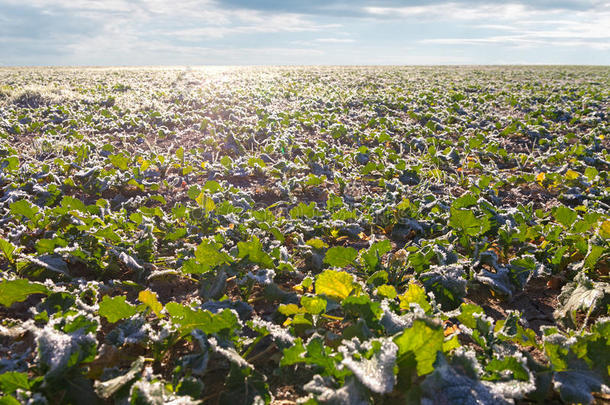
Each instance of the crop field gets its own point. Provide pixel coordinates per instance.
(317, 235)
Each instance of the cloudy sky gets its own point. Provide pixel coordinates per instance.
(240, 32)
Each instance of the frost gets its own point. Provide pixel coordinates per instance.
(243, 309)
(55, 348)
(229, 353)
(514, 389)
(262, 276)
(349, 394)
(447, 282)
(581, 294)
(392, 322)
(376, 372)
(575, 386)
(274, 330)
(446, 386)
(131, 331)
(108, 388)
(130, 262)
(499, 281)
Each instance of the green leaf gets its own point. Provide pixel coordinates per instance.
(339, 256)
(304, 210)
(149, 298)
(372, 256)
(10, 163)
(316, 352)
(363, 307)
(335, 284)
(23, 207)
(7, 249)
(116, 308)
(497, 368)
(418, 345)
(9, 400)
(209, 256)
(313, 305)
(565, 216)
(71, 203)
(467, 223)
(591, 173)
(334, 201)
(212, 186)
(119, 161)
(180, 153)
(294, 354)
(593, 256)
(57, 302)
(12, 381)
(465, 201)
(189, 319)
(467, 312)
(19, 290)
(193, 192)
(253, 249)
(415, 294)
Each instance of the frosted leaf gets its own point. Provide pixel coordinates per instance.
(131, 331)
(581, 294)
(108, 388)
(376, 373)
(446, 386)
(350, 394)
(55, 348)
(228, 353)
(447, 283)
(130, 262)
(277, 332)
(576, 386)
(513, 388)
(243, 309)
(499, 281)
(262, 276)
(392, 322)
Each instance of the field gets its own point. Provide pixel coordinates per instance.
(335, 235)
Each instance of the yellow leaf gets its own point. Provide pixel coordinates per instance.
(572, 175)
(415, 294)
(205, 202)
(387, 291)
(335, 284)
(604, 230)
(540, 178)
(149, 298)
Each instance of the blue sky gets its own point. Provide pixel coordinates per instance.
(238, 32)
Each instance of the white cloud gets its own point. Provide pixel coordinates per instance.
(164, 32)
(335, 40)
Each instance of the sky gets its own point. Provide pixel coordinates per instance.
(305, 32)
